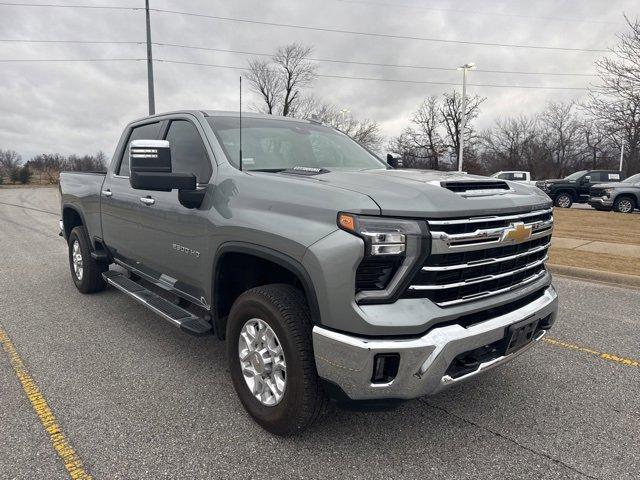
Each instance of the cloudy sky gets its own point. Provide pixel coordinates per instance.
(81, 107)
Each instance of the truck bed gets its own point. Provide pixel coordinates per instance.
(80, 192)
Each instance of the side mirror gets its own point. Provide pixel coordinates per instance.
(150, 164)
(393, 161)
(586, 179)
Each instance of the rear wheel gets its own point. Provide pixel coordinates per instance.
(563, 200)
(86, 272)
(624, 205)
(270, 357)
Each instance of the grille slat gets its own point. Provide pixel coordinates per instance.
(484, 265)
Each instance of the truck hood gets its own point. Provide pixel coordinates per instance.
(419, 193)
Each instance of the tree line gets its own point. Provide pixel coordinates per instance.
(559, 139)
(45, 168)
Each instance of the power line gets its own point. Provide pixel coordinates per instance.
(477, 12)
(375, 64)
(375, 34)
(324, 60)
(318, 29)
(392, 80)
(37, 60)
(55, 5)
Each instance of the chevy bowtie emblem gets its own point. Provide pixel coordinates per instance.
(516, 233)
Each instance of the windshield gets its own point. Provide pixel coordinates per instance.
(274, 144)
(577, 175)
(633, 179)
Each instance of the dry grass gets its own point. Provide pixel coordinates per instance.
(598, 226)
(593, 225)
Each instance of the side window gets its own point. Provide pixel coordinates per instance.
(506, 176)
(613, 177)
(149, 131)
(595, 176)
(188, 154)
(519, 176)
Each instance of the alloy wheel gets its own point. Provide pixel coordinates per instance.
(76, 257)
(262, 361)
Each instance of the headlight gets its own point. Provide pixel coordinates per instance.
(394, 248)
(608, 191)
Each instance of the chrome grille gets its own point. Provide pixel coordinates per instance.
(471, 258)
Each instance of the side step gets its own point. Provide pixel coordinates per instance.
(178, 316)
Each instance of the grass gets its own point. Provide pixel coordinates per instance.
(597, 226)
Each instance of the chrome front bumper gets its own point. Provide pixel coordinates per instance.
(602, 201)
(347, 361)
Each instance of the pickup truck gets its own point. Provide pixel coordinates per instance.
(623, 197)
(328, 273)
(514, 176)
(575, 188)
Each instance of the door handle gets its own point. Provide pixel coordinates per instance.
(107, 193)
(147, 200)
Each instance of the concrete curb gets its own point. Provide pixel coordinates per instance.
(621, 279)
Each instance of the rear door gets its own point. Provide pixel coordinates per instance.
(120, 204)
(173, 239)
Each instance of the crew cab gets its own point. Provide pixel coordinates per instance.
(328, 273)
(575, 187)
(623, 197)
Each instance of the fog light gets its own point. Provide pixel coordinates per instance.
(385, 367)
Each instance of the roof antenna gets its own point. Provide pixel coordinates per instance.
(240, 118)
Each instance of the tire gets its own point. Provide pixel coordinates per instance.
(88, 277)
(284, 310)
(563, 200)
(624, 204)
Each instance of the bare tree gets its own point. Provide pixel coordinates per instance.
(561, 130)
(279, 81)
(616, 102)
(511, 143)
(364, 131)
(9, 160)
(425, 131)
(451, 117)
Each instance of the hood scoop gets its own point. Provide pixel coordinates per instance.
(477, 188)
(305, 171)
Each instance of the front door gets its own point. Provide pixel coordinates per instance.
(174, 239)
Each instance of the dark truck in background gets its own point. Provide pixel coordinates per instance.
(575, 188)
(326, 272)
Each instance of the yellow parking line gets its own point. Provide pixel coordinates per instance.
(61, 445)
(629, 362)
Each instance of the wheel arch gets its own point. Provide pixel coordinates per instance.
(265, 257)
(71, 217)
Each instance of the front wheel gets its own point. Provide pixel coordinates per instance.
(270, 357)
(624, 205)
(563, 200)
(86, 272)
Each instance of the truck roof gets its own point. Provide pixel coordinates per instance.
(225, 113)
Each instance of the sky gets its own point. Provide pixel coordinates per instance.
(81, 107)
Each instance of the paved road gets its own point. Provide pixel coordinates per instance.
(137, 398)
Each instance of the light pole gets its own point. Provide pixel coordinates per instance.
(463, 120)
(344, 112)
(621, 153)
(152, 96)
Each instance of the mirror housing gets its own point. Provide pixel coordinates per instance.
(394, 162)
(150, 166)
(586, 179)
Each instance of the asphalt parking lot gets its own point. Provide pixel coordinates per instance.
(136, 398)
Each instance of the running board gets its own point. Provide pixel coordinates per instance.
(178, 316)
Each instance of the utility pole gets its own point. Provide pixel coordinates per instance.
(152, 96)
(621, 154)
(463, 120)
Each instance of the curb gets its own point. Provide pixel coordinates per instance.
(620, 279)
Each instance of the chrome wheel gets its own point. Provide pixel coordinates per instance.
(76, 257)
(564, 201)
(625, 206)
(262, 362)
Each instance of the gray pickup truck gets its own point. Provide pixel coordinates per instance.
(328, 273)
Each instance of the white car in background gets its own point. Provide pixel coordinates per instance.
(515, 176)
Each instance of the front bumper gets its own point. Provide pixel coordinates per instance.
(347, 361)
(601, 201)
